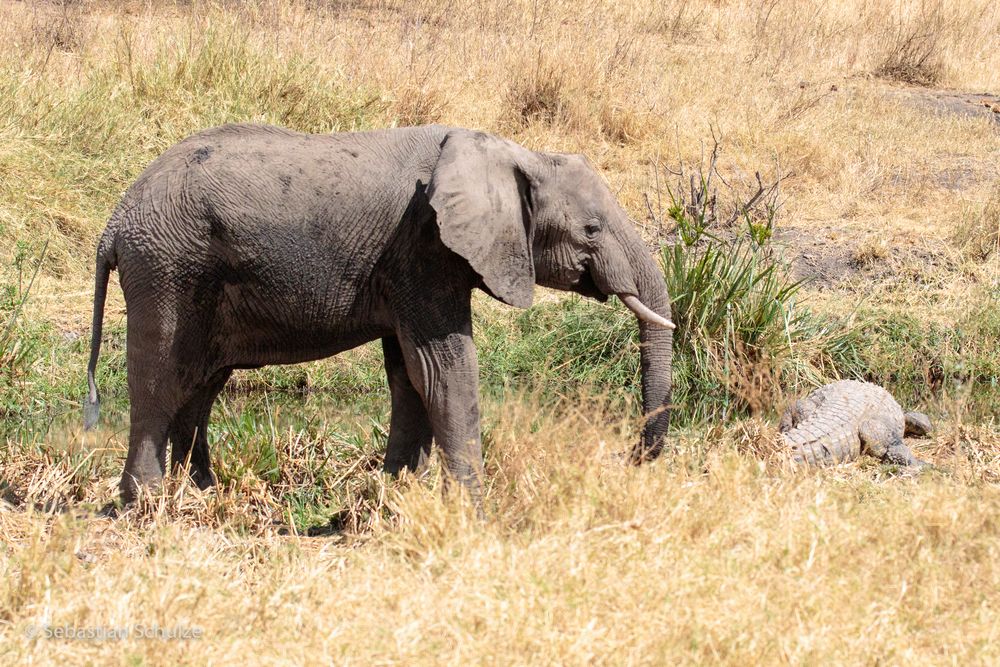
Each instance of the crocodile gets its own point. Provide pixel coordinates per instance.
(842, 420)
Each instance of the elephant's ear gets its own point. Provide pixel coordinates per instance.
(481, 193)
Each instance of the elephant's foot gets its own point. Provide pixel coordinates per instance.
(414, 462)
(132, 487)
(203, 479)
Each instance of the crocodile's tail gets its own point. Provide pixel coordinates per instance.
(106, 261)
(827, 449)
(826, 436)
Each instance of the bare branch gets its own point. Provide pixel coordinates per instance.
(696, 208)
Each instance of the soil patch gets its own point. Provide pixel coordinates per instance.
(952, 102)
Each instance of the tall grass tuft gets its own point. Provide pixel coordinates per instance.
(17, 350)
(912, 51)
(741, 338)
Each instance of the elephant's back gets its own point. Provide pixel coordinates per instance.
(236, 173)
(253, 147)
(257, 210)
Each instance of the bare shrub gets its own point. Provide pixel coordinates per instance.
(977, 235)
(538, 95)
(912, 52)
(419, 105)
(693, 207)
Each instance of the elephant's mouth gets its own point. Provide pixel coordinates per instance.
(585, 286)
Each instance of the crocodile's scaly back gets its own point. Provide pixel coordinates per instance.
(839, 421)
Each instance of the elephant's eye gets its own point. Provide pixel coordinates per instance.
(592, 229)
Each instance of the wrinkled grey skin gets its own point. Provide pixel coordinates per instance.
(250, 245)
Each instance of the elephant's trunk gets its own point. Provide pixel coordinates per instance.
(652, 310)
(656, 363)
(624, 267)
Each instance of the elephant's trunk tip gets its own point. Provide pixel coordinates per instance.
(644, 312)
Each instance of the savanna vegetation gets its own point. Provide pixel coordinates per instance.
(821, 182)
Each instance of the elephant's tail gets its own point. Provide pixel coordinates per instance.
(106, 261)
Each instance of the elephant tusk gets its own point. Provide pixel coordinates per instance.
(644, 312)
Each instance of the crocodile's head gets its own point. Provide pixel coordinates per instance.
(918, 425)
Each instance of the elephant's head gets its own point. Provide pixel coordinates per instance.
(521, 218)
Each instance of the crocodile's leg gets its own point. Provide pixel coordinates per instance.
(798, 412)
(875, 437)
(900, 454)
(882, 441)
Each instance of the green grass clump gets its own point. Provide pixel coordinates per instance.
(559, 347)
(20, 348)
(924, 361)
(306, 453)
(742, 338)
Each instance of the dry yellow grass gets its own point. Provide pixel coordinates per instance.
(787, 85)
(711, 555)
(716, 554)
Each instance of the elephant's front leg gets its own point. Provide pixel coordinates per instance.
(445, 372)
(410, 431)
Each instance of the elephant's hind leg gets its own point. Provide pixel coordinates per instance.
(166, 360)
(189, 432)
(410, 432)
(146, 460)
(153, 398)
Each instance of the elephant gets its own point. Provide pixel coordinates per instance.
(248, 245)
